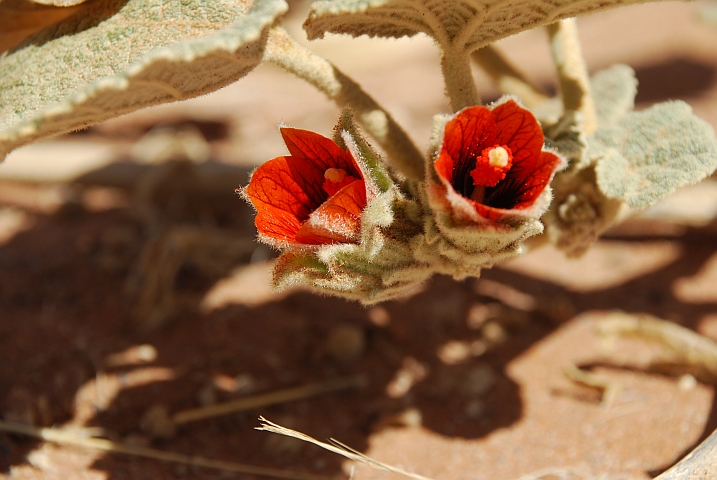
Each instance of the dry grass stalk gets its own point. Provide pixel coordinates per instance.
(63, 437)
(271, 398)
(336, 447)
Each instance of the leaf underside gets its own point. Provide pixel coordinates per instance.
(651, 153)
(473, 23)
(122, 55)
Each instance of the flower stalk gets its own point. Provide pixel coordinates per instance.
(507, 77)
(285, 52)
(572, 71)
(460, 84)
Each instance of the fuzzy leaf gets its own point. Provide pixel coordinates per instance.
(474, 23)
(649, 154)
(614, 91)
(121, 55)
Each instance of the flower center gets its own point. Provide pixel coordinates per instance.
(498, 157)
(491, 167)
(336, 179)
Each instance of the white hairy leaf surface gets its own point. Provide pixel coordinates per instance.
(121, 55)
(471, 23)
(614, 90)
(649, 154)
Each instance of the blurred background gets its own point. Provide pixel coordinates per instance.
(132, 288)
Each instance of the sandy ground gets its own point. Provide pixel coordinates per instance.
(464, 380)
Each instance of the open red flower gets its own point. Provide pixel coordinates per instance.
(495, 160)
(315, 196)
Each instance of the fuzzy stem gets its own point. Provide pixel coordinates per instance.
(285, 52)
(572, 71)
(507, 77)
(460, 85)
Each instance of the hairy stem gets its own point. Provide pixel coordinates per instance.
(460, 85)
(285, 52)
(572, 71)
(507, 77)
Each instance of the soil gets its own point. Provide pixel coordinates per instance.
(462, 380)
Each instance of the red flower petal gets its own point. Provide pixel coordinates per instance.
(487, 212)
(277, 224)
(477, 129)
(291, 201)
(519, 129)
(321, 152)
(465, 138)
(538, 179)
(338, 220)
(278, 184)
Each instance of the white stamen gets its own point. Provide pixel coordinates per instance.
(498, 157)
(335, 175)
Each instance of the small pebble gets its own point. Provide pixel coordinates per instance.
(454, 352)
(135, 355)
(475, 409)
(411, 372)
(157, 423)
(379, 316)
(480, 313)
(346, 343)
(686, 383)
(207, 395)
(411, 417)
(18, 406)
(494, 333)
(478, 381)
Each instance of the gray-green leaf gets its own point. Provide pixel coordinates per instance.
(122, 55)
(473, 23)
(649, 154)
(614, 91)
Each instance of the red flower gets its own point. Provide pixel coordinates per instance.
(494, 159)
(313, 197)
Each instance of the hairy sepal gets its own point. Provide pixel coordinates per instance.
(380, 267)
(463, 248)
(580, 212)
(348, 136)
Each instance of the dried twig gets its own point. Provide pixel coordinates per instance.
(271, 398)
(687, 349)
(70, 438)
(608, 390)
(336, 447)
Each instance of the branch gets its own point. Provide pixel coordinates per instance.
(507, 77)
(572, 71)
(285, 52)
(460, 84)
